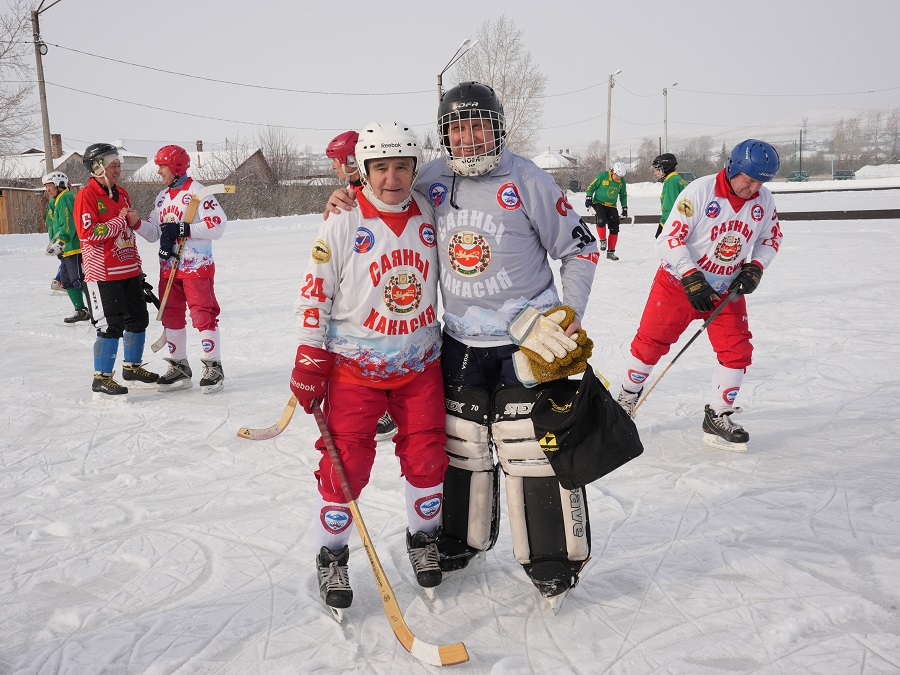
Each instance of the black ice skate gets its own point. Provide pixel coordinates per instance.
(213, 376)
(628, 400)
(81, 314)
(424, 556)
(554, 579)
(603, 244)
(611, 255)
(721, 432)
(178, 376)
(138, 375)
(105, 388)
(386, 428)
(334, 582)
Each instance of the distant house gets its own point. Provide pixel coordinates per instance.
(233, 165)
(562, 166)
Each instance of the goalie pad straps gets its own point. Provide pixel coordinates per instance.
(471, 510)
(549, 524)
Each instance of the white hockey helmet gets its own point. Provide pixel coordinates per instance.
(57, 178)
(377, 141)
(619, 169)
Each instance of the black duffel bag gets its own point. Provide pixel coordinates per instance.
(583, 431)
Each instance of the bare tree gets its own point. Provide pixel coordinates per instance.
(643, 172)
(16, 119)
(501, 60)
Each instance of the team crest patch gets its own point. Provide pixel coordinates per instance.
(186, 199)
(427, 235)
(637, 376)
(100, 230)
(470, 253)
(713, 209)
(101, 207)
(430, 506)
(686, 206)
(402, 293)
(160, 202)
(171, 347)
(729, 248)
(207, 345)
(508, 197)
(757, 212)
(729, 395)
(336, 519)
(365, 240)
(320, 251)
(437, 193)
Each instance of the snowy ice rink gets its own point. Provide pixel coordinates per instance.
(148, 538)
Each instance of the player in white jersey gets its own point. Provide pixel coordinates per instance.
(721, 235)
(370, 339)
(194, 285)
(499, 220)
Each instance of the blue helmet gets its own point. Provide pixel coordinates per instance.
(756, 159)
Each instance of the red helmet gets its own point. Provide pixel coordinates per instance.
(342, 147)
(175, 157)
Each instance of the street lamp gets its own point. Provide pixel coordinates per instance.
(463, 48)
(666, 115)
(609, 111)
(40, 49)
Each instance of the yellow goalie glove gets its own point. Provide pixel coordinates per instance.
(546, 353)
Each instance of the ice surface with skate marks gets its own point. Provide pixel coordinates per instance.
(148, 538)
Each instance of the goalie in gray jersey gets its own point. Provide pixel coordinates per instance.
(499, 220)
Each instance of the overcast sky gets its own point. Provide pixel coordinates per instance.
(740, 67)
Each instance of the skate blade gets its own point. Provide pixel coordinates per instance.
(137, 384)
(110, 399)
(715, 441)
(336, 614)
(556, 602)
(213, 388)
(429, 592)
(176, 386)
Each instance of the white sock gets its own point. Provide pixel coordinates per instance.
(209, 342)
(335, 525)
(636, 374)
(423, 508)
(177, 343)
(726, 383)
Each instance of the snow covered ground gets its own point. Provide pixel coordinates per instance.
(148, 538)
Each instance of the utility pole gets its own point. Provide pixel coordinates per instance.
(39, 50)
(609, 112)
(666, 113)
(800, 168)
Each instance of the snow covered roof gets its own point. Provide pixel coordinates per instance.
(204, 165)
(28, 166)
(554, 160)
(879, 171)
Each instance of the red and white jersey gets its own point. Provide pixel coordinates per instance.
(209, 223)
(715, 231)
(370, 296)
(108, 246)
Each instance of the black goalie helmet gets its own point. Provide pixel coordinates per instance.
(473, 109)
(98, 156)
(665, 162)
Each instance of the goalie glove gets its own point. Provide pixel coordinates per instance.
(56, 247)
(542, 333)
(309, 379)
(532, 367)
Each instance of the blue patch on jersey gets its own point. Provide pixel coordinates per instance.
(713, 209)
(365, 240)
(437, 193)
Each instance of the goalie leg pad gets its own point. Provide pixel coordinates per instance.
(550, 529)
(471, 511)
(549, 524)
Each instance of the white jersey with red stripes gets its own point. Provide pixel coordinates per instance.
(197, 255)
(715, 231)
(369, 294)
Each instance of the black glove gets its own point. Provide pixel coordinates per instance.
(588, 201)
(700, 294)
(149, 296)
(624, 211)
(166, 246)
(175, 230)
(747, 279)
